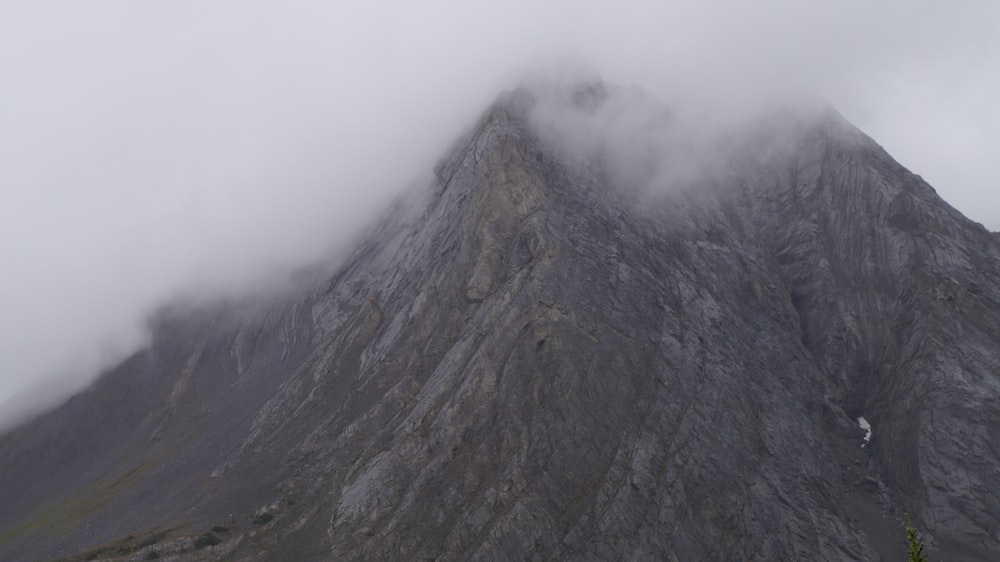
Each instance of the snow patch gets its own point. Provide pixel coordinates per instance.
(863, 424)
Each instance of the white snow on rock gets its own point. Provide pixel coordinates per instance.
(863, 424)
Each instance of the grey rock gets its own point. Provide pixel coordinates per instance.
(530, 362)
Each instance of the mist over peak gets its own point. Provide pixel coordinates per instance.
(657, 144)
(178, 150)
(608, 308)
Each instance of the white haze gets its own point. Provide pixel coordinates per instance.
(162, 148)
(645, 144)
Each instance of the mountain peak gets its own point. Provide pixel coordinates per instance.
(604, 333)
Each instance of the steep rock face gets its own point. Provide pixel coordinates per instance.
(533, 363)
(897, 295)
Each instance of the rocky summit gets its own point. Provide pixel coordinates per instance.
(538, 358)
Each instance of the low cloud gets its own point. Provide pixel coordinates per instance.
(150, 150)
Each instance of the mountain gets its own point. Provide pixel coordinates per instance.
(537, 360)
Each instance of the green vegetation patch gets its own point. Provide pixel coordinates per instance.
(206, 539)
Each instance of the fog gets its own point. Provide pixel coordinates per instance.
(685, 143)
(156, 149)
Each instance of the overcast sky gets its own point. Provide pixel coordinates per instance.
(158, 147)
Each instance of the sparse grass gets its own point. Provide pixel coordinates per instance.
(123, 547)
(263, 518)
(206, 539)
(220, 529)
(151, 540)
(58, 517)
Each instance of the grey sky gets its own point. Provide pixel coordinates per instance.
(154, 148)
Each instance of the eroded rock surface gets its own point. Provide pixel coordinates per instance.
(532, 363)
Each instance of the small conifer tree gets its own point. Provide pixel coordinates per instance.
(915, 548)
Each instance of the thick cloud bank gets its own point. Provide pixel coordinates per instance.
(162, 148)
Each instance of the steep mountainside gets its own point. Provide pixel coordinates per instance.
(531, 362)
